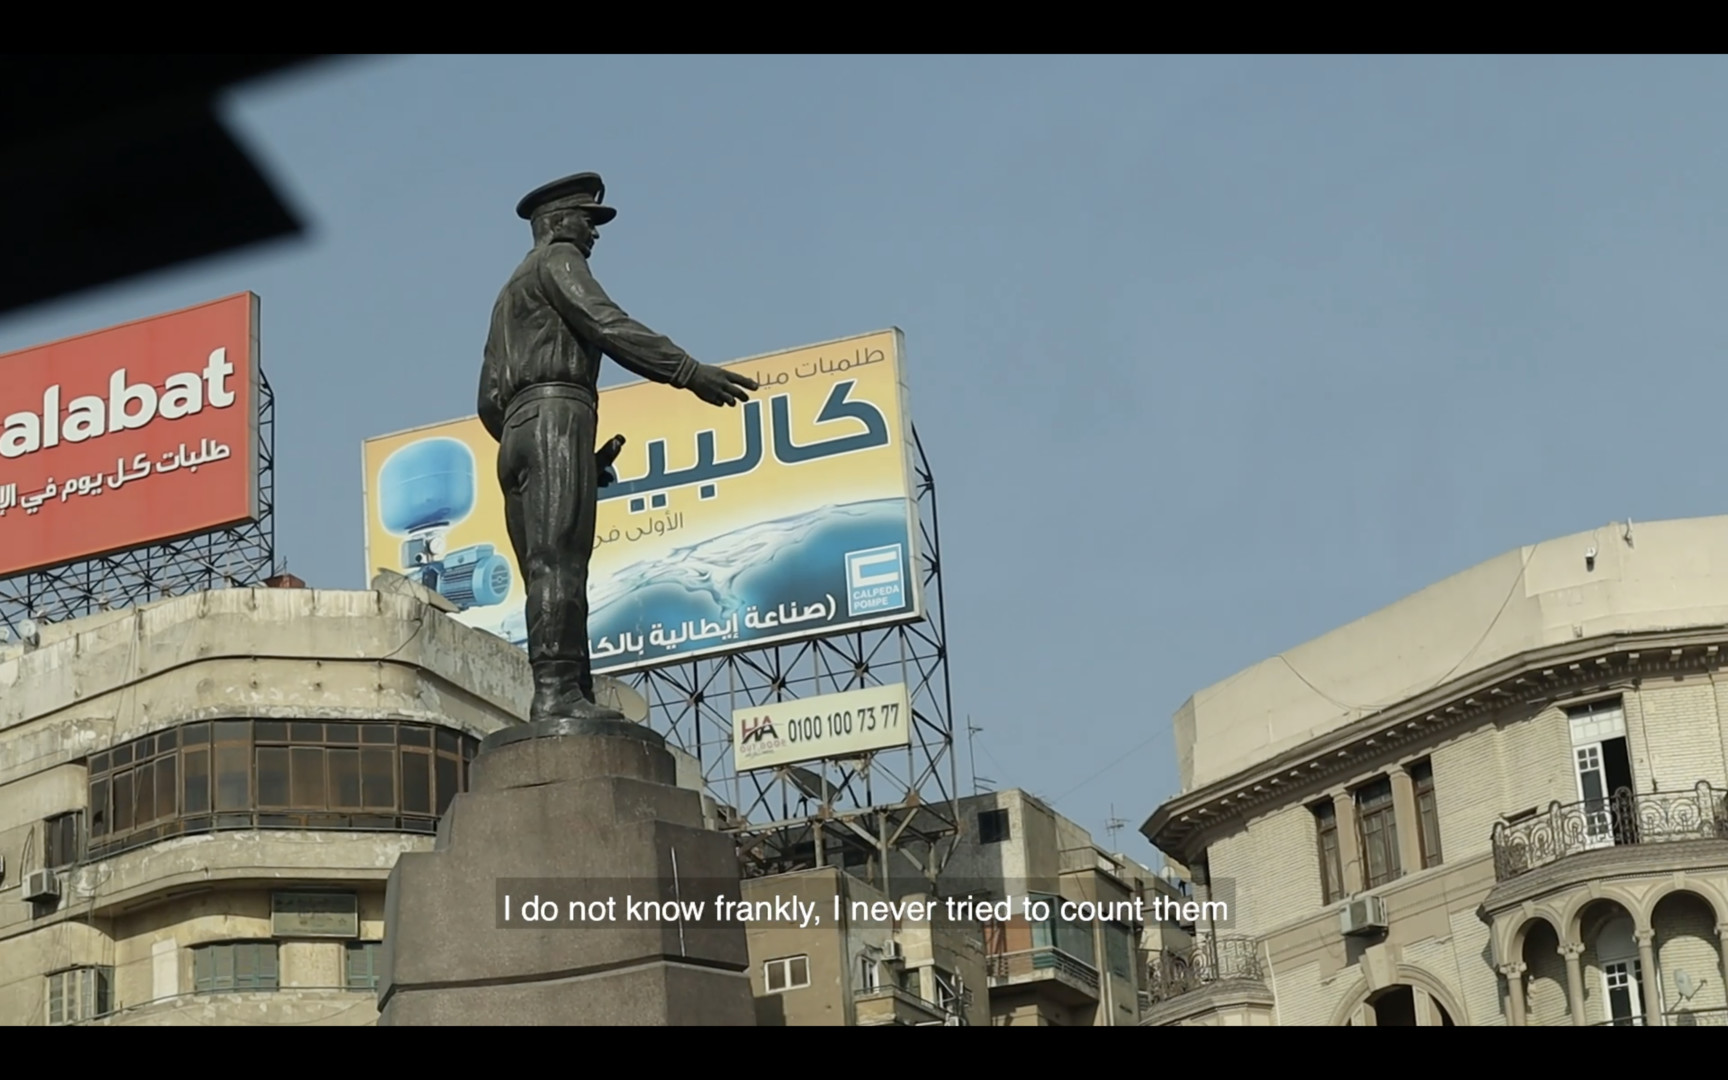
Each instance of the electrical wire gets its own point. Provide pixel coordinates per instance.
(1506, 602)
(1119, 759)
(1518, 579)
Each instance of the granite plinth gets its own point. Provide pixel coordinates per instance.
(590, 801)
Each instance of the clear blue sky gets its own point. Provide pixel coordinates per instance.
(1211, 355)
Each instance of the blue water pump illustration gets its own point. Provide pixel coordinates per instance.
(424, 490)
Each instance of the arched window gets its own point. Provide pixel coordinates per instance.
(1396, 1006)
(1622, 972)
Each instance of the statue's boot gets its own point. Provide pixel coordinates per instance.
(558, 695)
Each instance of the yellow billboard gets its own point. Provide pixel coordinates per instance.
(791, 517)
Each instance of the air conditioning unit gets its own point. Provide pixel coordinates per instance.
(1363, 916)
(41, 885)
(891, 951)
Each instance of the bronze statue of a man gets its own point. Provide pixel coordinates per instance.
(539, 398)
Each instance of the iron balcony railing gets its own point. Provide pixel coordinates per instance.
(1212, 959)
(1622, 819)
(1678, 1018)
(1044, 959)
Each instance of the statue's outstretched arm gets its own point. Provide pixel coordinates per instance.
(593, 315)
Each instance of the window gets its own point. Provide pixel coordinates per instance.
(869, 972)
(1624, 981)
(1119, 950)
(274, 774)
(365, 964)
(993, 826)
(1604, 768)
(1379, 833)
(234, 966)
(786, 973)
(79, 994)
(1331, 861)
(1063, 935)
(1427, 812)
(60, 840)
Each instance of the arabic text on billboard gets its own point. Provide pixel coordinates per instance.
(791, 517)
(130, 436)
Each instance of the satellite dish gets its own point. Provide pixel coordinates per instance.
(1683, 983)
(614, 694)
(30, 632)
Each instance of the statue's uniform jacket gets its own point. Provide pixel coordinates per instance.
(551, 325)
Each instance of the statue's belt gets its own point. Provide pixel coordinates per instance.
(543, 391)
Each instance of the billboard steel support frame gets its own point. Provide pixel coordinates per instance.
(241, 556)
(851, 813)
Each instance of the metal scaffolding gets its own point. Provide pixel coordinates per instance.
(848, 813)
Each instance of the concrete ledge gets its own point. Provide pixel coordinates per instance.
(84, 659)
(291, 1005)
(568, 750)
(614, 726)
(133, 879)
(658, 994)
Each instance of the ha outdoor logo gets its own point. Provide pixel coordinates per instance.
(758, 736)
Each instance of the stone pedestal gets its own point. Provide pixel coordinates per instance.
(564, 810)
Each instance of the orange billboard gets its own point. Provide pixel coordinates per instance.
(130, 436)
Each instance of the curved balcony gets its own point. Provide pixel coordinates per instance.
(1682, 1018)
(1623, 819)
(1217, 981)
(1172, 974)
(1066, 978)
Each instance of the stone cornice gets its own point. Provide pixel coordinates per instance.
(1186, 824)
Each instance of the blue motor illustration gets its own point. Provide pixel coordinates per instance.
(424, 490)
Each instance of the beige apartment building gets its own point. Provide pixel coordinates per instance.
(201, 799)
(869, 971)
(1075, 971)
(1497, 801)
(1016, 970)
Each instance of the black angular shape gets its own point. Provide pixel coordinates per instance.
(111, 167)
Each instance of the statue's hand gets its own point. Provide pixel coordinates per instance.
(717, 386)
(605, 456)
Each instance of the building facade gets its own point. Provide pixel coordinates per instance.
(1000, 965)
(201, 800)
(1073, 968)
(869, 971)
(1499, 801)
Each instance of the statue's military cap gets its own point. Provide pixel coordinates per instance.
(585, 190)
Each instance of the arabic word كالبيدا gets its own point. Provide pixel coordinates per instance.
(707, 470)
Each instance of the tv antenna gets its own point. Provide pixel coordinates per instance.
(1114, 826)
(972, 757)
